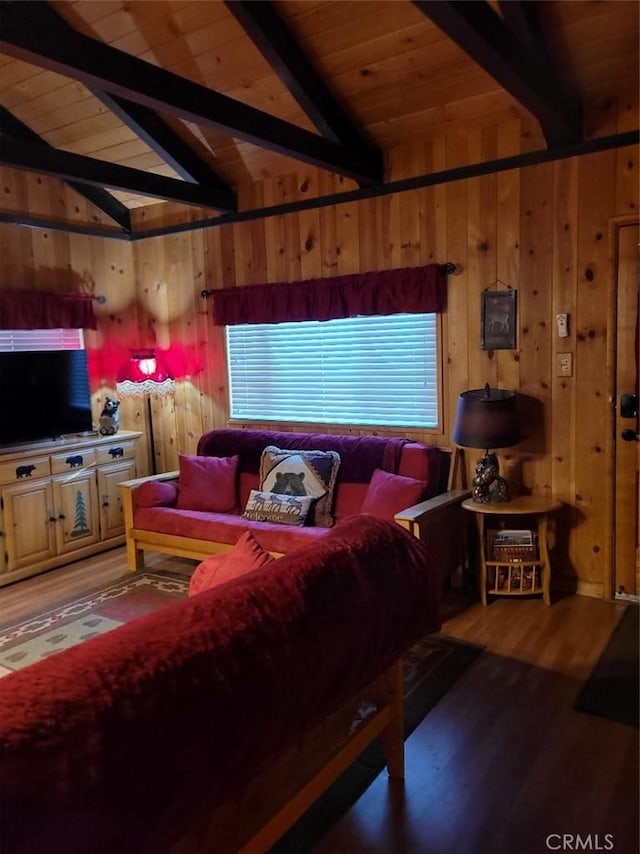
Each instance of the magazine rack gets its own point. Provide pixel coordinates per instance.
(514, 555)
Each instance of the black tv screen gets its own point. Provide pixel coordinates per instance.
(43, 395)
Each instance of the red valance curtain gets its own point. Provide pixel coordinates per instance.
(46, 310)
(410, 290)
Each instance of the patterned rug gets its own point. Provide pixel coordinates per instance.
(74, 621)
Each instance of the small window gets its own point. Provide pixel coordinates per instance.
(20, 340)
(374, 371)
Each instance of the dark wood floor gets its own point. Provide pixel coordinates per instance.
(503, 764)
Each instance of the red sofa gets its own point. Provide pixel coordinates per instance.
(155, 522)
(165, 735)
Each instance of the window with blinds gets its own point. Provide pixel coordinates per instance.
(17, 340)
(374, 371)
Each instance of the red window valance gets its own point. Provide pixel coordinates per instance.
(46, 310)
(410, 290)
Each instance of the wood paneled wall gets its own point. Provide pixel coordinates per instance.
(542, 230)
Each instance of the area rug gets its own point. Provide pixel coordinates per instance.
(76, 620)
(432, 666)
(612, 689)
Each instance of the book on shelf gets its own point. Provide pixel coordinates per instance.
(510, 545)
(505, 537)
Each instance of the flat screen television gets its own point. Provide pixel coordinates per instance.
(44, 394)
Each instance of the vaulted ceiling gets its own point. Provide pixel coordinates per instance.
(190, 101)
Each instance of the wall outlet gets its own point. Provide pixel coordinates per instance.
(564, 364)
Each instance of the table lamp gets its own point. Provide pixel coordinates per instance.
(487, 418)
(142, 375)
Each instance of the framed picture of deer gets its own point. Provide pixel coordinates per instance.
(498, 319)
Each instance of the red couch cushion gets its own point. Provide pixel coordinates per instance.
(156, 493)
(246, 555)
(224, 528)
(349, 498)
(428, 463)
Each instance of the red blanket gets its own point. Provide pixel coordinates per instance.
(117, 744)
(359, 455)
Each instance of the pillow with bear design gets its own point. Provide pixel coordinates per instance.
(302, 473)
(275, 507)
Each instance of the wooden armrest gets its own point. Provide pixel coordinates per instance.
(441, 524)
(418, 512)
(138, 481)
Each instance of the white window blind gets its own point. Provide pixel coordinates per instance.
(362, 370)
(14, 340)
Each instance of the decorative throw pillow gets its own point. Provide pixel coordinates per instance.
(388, 494)
(302, 473)
(276, 507)
(246, 555)
(208, 483)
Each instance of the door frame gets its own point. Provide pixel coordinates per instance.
(615, 224)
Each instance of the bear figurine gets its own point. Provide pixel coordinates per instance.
(110, 417)
(488, 486)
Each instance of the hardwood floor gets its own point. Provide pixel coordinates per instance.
(503, 762)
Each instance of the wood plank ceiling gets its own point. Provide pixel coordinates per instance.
(185, 101)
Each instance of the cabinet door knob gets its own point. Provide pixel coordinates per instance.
(52, 518)
(61, 516)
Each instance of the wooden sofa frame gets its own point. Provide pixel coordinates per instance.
(279, 795)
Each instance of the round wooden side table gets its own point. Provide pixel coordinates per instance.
(514, 556)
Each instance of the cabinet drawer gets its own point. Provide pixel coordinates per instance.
(27, 469)
(73, 460)
(116, 451)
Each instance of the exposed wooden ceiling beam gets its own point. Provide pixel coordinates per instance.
(144, 122)
(148, 125)
(432, 179)
(481, 33)
(99, 197)
(522, 20)
(24, 35)
(269, 33)
(75, 167)
(521, 16)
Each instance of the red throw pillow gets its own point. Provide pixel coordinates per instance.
(208, 483)
(246, 555)
(388, 493)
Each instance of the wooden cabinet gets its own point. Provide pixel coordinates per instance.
(110, 477)
(75, 499)
(30, 534)
(62, 502)
(512, 536)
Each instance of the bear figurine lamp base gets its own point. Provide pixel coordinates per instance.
(487, 418)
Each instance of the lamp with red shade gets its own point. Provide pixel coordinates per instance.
(142, 375)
